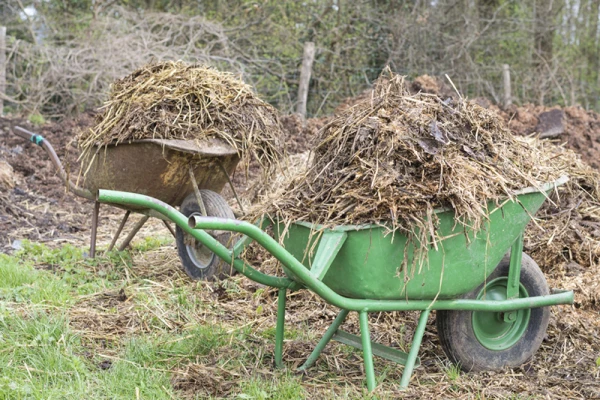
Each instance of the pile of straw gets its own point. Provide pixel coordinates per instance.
(395, 156)
(7, 175)
(175, 100)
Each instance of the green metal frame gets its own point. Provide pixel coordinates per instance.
(311, 279)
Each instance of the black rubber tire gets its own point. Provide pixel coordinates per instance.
(457, 337)
(199, 264)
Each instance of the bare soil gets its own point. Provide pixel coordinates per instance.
(41, 208)
(582, 128)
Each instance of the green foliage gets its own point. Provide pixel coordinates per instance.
(40, 357)
(20, 282)
(453, 372)
(41, 254)
(289, 333)
(36, 119)
(152, 242)
(126, 380)
(51, 272)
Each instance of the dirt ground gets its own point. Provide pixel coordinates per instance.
(41, 210)
(38, 208)
(582, 128)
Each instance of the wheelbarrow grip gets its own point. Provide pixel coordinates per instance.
(30, 136)
(43, 143)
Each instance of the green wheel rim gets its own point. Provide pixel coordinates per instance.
(490, 328)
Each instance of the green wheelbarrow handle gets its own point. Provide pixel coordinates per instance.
(303, 274)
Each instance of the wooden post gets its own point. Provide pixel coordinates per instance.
(2, 68)
(305, 71)
(506, 79)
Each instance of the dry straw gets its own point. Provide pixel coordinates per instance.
(394, 157)
(175, 100)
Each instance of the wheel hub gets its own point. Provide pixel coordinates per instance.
(499, 330)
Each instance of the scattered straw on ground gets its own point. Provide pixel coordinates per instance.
(106, 317)
(175, 100)
(564, 366)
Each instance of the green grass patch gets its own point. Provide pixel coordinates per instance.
(283, 387)
(36, 119)
(40, 358)
(152, 243)
(70, 265)
(20, 282)
(289, 333)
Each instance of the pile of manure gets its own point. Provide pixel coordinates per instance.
(394, 157)
(176, 100)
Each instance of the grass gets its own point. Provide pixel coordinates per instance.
(287, 387)
(50, 299)
(453, 372)
(131, 325)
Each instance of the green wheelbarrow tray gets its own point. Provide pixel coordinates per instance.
(357, 269)
(366, 262)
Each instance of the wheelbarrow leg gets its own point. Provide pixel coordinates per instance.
(363, 318)
(414, 348)
(133, 232)
(94, 229)
(119, 230)
(279, 330)
(339, 320)
(170, 228)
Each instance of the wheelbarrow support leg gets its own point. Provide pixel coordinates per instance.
(133, 232)
(170, 228)
(94, 229)
(363, 318)
(414, 348)
(514, 276)
(279, 330)
(339, 320)
(514, 271)
(119, 230)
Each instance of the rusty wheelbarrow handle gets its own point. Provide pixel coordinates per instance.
(43, 143)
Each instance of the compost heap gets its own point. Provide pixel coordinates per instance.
(175, 100)
(394, 157)
(567, 228)
(565, 240)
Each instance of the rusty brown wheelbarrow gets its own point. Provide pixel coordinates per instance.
(185, 174)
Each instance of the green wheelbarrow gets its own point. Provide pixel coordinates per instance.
(491, 299)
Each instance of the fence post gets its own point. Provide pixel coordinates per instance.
(2, 68)
(506, 79)
(307, 61)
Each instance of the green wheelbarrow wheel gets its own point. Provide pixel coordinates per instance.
(480, 340)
